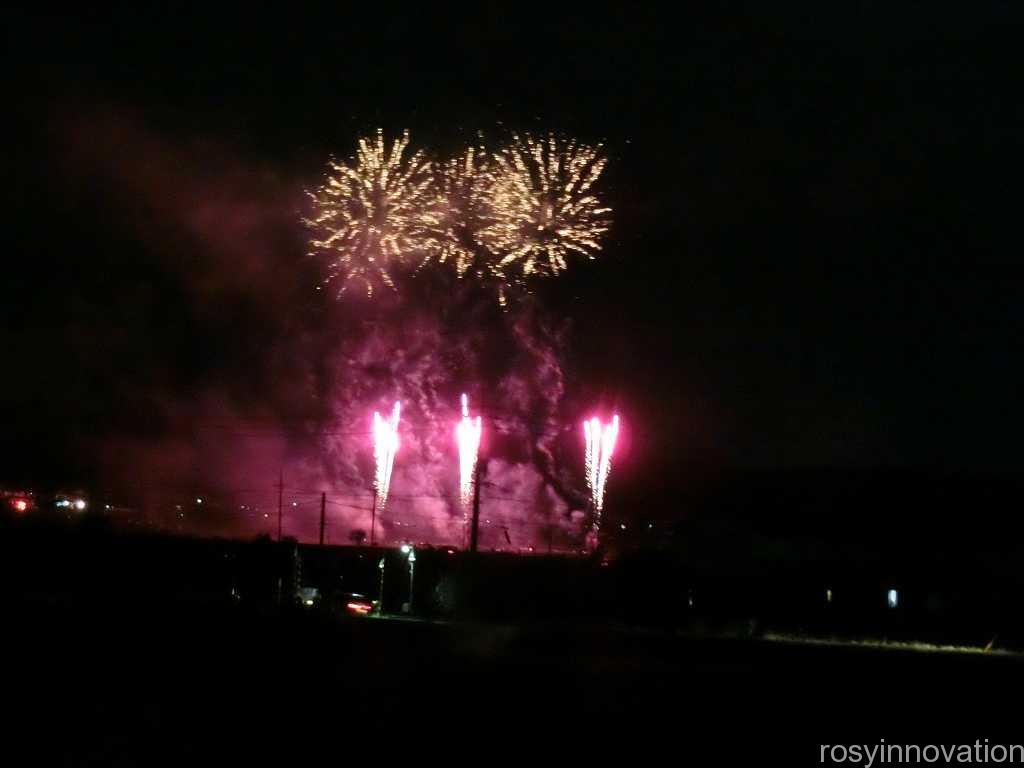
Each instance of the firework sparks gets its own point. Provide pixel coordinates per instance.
(385, 446)
(467, 435)
(600, 439)
(543, 207)
(464, 184)
(379, 212)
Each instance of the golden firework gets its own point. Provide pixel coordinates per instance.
(464, 187)
(382, 210)
(542, 207)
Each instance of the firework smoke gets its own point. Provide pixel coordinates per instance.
(600, 440)
(502, 218)
(385, 446)
(416, 355)
(467, 435)
(322, 374)
(379, 212)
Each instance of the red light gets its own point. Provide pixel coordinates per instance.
(20, 505)
(361, 608)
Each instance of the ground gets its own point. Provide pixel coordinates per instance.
(183, 684)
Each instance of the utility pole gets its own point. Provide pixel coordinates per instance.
(474, 527)
(373, 520)
(323, 515)
(280, 502)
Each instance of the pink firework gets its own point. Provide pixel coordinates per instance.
(600, 446)
(467, 435)
(385, 446)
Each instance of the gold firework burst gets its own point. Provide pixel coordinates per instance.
(465, 183)
(542, 206)
(383, 210)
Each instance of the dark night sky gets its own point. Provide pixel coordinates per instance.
(815, 259)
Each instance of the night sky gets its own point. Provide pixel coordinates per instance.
(815, 260)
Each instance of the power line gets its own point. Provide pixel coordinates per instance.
(190, 489)
(550, 427)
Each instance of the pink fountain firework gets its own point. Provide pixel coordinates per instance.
(467, 435)
(385, 446)
(600, 446)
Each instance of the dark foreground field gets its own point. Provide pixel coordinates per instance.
(181, 684)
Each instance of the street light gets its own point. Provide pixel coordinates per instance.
(412, 571)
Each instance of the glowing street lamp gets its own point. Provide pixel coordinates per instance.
(380, 588)
(412, 572)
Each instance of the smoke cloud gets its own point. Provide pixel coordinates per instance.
(272, 380)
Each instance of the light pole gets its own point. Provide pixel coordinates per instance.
(380, 590)
(408, 550)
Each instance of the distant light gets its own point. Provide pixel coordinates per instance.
(451, 551)
(405, 549)
(79, 504)
(380, 564)
(106, 506)
(828, 595)
(20, 505)
(622, 526)
(199, 501)
(295, 503)
(412, 555)
(266, 515)
(309, 602)
(63, 503)
(893, 598)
